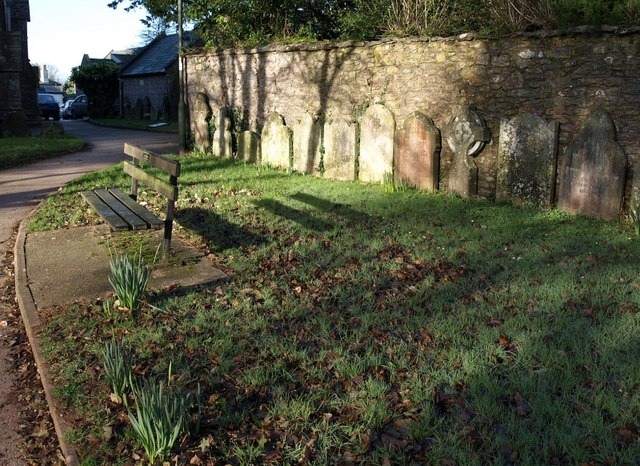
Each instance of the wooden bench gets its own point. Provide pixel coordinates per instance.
(122, 212)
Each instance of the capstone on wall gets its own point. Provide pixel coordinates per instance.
(558, 77)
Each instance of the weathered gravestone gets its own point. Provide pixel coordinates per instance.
(340, 150)
(126, 108)
(222, 144)
(17, 124)
(377, 134)
(527, 156)
(249, 147)
(306, 144)
(276, 142)
(466, 135)
(201, 118)
(146, 108)
(593, 171)
(138, 110)
(417, 152)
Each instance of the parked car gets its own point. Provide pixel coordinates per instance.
(65, 110)
(48, 106)
(78, 108)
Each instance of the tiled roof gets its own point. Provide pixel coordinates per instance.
(155, 58)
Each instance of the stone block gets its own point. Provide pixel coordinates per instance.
(527, 156)
(306, 144)
(340, 150)
(417, 152)
(377, 135)
(276, 142)
(594, 169)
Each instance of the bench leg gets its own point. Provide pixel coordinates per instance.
(168, 228)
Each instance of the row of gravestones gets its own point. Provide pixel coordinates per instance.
(591, 181)
(143, 110)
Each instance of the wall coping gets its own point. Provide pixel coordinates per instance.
(466, 37)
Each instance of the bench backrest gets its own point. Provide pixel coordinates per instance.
(133, 168)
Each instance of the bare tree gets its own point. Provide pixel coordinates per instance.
(155, 27)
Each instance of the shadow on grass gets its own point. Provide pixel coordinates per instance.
(302, 218)
(326, 206)
(220, 233)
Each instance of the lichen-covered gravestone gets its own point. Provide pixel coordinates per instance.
(201, 117)
(340, 150)
(417, 152)
(249, 147)
(466, 135)
(527, 156)
(306, 144)
(594, 169)
(377, 134)
(221, 144)
(276, 142)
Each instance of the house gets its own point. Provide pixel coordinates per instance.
(18, 79)
(149, 82)
(49, 86)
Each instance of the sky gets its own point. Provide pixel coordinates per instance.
(62, 31)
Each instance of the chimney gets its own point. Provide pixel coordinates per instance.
(44, 74)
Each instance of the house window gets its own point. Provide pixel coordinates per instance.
(142, 82)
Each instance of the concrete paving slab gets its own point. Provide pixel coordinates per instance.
(64, 266)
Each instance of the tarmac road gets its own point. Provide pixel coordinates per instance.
(21, 190)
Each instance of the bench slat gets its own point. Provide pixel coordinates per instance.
(134, 222)
(151, 220)
(115, 222)
(169, 166)
(162, 187)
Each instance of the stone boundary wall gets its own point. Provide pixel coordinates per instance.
(560, 77)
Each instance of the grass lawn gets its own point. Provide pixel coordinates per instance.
(171, 126)
(22, 151)
(366, 327)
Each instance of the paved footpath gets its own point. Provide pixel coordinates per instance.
(21, 190)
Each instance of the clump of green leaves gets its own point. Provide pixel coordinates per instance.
(118, 360)
(634, 213)
(161, 416)
(129, 279)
